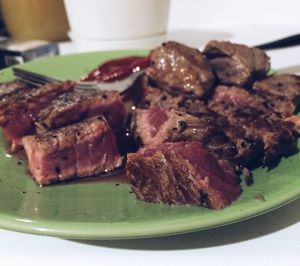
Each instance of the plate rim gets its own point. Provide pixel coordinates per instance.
(123, 230)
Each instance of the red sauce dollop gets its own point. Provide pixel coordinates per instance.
(118, 69)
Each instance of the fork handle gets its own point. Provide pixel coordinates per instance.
(281, 43)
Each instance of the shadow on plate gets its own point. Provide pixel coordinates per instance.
(262, 225)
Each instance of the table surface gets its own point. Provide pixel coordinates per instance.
(269, 239)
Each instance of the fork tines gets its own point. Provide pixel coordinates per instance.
(32, 77)
(37, 79)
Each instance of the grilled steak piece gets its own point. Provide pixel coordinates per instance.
(147, 123)
(180, 69)
(19, 109)
(236, 64)
(276, 135)
(295, 119)
(154, 126)
(247, 147)
(15, 93)
(237, 96)
(270, 104)
(182, 173)
(260, 100)
(284, 85)
(79, 150)
(145, 95)
(281, 105)
(11, 87)
(72, 107)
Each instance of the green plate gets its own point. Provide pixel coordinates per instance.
(106, 209)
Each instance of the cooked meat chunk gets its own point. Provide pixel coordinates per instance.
(279, 104)
(18, 111)
(236, 64)
(11, 87)
(14, 96)
(145, 95)
(295, 119)
(247, 147)
(284, 85)
(260, 100)
(72, 107)
(237, 96)
(276, 135)
(79, 150)
(182, 173)
(154, 126)
(146, 124)
(180, 69)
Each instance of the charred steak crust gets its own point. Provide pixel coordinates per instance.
(180, 69)
(284, 85)
(225, 140)
(145, 95)
(19, 109)
(276, 135)
(260, 100)
(79, 150)
(182, 173)
(154, 126)
(75, 106)
(10, 87)
(236, 64)
(32, 98)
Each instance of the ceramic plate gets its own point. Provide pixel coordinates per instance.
(106, 209)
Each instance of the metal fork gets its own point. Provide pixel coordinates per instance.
(37, 79)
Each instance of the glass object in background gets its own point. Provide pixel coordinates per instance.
(35, 19)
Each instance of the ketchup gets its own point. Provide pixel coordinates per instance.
(118, 69)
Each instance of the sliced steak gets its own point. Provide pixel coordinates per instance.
(180, 69)
(236, 64)
(247, 147)
(19, 110)
(237, 96)
(145, 95)
(13, 96)
(72, 107)
(281, 105)
(182, 173)
(260, 100)
(79, 150)
(276, 135)
(154, 126)
(10, 87)
(146, 123)
(284, 85)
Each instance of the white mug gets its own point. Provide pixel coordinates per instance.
(112, 20)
